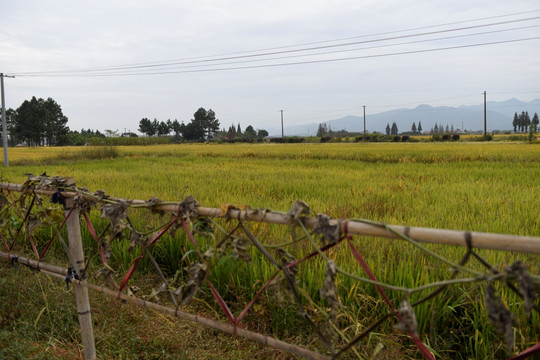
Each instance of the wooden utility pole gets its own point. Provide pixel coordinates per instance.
(4, 124)
(282, 133)
(485, 115)
(81, 292)
(364, 120)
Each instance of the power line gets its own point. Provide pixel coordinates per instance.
(337, 51)
(318, 42)
(351, 50)
(290, 63)
(89, 71)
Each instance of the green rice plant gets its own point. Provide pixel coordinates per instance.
(168, 252)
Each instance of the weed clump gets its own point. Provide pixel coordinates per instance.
(99, 153)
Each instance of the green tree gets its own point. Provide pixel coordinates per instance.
(193, 131)
(524, 121)
(155, 126)
(206, 120)
(322, 130)
(515, 122)
(419, 127)
(387, 129)
(413, 128)
(77, 138)
(250, 133)
(10, 126)
(176, 128)
(111, 133)
(261, 134)
(145, 127)
(40, 122)
(394, 130)
(527, 121)
(55, 123)
(535, 122)
(163, 128)
(232, 131)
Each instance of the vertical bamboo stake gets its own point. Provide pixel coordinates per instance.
(81, 292)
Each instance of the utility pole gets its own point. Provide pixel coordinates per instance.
(4, 124)
(485, 115)
(282, 133)
(364, 120)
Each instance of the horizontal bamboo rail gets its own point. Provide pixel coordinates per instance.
(60, 273)
(505, 242)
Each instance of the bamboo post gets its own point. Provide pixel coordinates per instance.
(81, 292)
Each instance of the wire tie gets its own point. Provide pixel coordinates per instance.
(69, 276)
(57, 198)
(346, 228)
(407, 231)
(14, 259)
(468, 240)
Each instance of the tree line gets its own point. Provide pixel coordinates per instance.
(203, 127)
(40, 122)
(522, 122)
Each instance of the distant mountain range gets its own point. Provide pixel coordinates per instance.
(499, 117)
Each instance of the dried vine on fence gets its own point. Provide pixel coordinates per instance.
(210, 241)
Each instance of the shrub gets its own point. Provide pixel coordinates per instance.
(405, 138)
(446, 137)
(87, 153)
(100, 152)
(325, 139)
(487, 137)
(116, 141)
(455, 137)
(396, 139)
(294, 139)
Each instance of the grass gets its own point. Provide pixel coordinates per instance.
(488, 187)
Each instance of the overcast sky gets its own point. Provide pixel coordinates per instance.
(247, 60)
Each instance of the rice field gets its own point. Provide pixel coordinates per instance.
(487, 187)
(479, 186)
